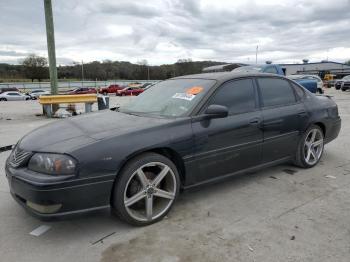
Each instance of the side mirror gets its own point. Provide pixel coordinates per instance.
(216, 111)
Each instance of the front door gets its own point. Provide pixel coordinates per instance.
(227, 145)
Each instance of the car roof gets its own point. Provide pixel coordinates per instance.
(224, 76)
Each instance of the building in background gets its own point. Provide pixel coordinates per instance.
(317, 68)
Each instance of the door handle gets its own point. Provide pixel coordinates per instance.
(302, 114)
(254, 121)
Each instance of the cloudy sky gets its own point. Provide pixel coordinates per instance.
(163, 31)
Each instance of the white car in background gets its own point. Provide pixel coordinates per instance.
(38, 92)
(13, 96)
(310, 77)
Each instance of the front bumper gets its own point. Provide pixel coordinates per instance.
(69, 197)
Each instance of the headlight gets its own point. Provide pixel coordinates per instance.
(53, 164)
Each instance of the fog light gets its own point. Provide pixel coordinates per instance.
(45, 209)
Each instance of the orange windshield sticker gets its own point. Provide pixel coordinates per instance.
(194, 90)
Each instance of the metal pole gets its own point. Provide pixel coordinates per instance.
(50, 35)
(256, 54)
(82, 73)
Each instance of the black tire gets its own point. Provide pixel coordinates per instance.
(300, 153)
(3, 99)
(320, 90)
(117, 199)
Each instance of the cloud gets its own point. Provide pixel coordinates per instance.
(128, 9)
(163, 31)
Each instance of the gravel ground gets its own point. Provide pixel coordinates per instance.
(277, 214)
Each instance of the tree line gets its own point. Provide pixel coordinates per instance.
(35, 67)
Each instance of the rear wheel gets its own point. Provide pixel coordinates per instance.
(146, 189)
(3, 99)
(310, 147)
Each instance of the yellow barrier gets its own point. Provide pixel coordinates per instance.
(67, 99)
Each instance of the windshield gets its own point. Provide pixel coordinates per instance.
(294, 77)
(310, 77)
(170, 98)
(346, 78)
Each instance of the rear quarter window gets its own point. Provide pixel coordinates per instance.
(300, 92)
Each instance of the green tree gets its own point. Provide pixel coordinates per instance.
(347, 62)
(35, 67)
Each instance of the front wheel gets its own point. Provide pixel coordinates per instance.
(310, 148)
(146, 189)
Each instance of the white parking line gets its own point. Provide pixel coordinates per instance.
(40, 230)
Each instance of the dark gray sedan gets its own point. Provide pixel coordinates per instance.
(180, 133)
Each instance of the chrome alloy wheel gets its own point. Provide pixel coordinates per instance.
(313, 146)
(150, 191)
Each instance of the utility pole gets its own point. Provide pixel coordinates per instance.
(82, 73)
(50, 35)
(256, 54)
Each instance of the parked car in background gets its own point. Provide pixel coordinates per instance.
(130, 91)
(339, 83)
(13, 96)
(181, 133)
(38, 92)
(112, 89)
(7, 89)
(81, 91)
(135, 85)
(309, 84)
(260, 68)
(309, 77)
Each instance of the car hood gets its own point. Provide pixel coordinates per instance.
(68, 134)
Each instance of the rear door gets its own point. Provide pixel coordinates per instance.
(283, 116)
(227, 145)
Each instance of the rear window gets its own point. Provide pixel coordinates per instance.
(276, 92)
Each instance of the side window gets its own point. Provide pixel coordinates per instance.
(275, 92)
(238, 96)
(299, 91)
(271, 69)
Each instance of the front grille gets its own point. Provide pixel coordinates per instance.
(19, 157)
